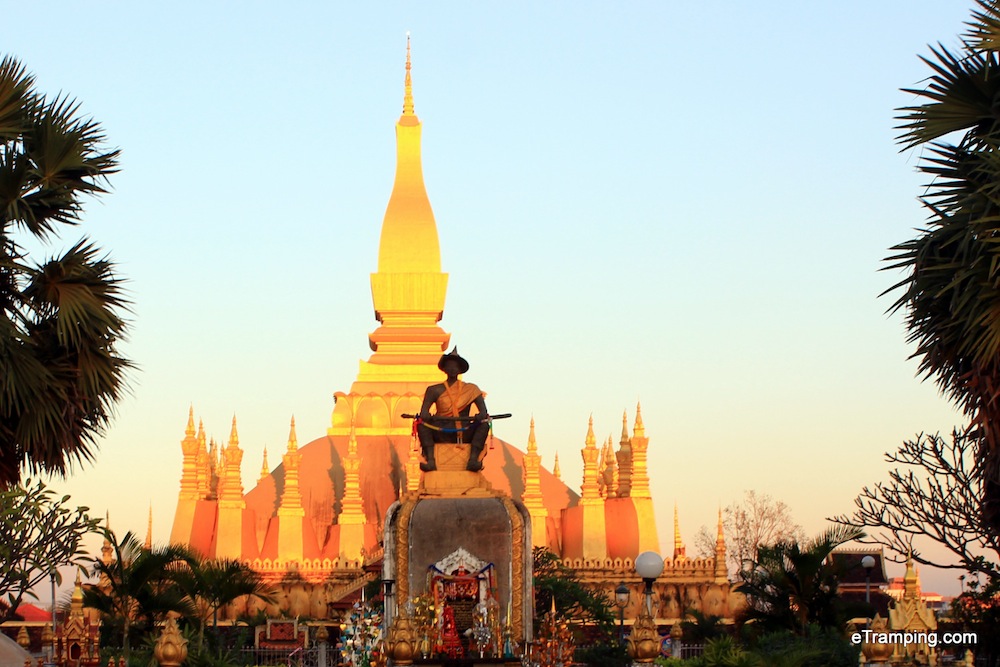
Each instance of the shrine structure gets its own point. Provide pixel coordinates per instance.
(316, 525)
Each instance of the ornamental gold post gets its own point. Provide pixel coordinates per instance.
(401, 644)
(644, 642)
(171, 647)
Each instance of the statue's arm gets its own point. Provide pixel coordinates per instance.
(480, 404)
(429, 397)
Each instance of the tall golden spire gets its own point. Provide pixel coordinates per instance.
(291, 499)
(409, 242)
(107, 552)
(265, 470)
(189, 467)
(593, 542)
(193, 487)
(624, 456)
(640, 474)
(532, 496)
(679, 550)
(408, 293)
(352, 513)
(721, 570)
(290, 511)
(229, 491)
(589, 490)
(642, 499)
(76, 599)
(230, 481)
(408, 83)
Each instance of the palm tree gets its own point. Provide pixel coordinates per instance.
(60, 320)
(139, 584)
(951, 289)
(791, 586)
(212, 584)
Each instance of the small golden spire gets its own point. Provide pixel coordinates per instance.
(639, 429)
(591, 441)
(721, 571)
(352, 505)
(408, 85)
(265, 470)
(679, 550)
(592, 477)
(234, 438)
(555, 468)
(532, 446)
(293, 441)
(189, 431)
(624, 427)
(106, 547)
(291, 498)
(107, 553)
(201, 433)
(77, 598)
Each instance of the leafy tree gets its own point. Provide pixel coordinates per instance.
(60, 320)
(793, 585)
(212, 584)
(555, 580)
(950, 293)
(978, 609)
(573, 599)
(932, 495)
(699, 627)
(139, 585)
(756, 520)
(38, 532)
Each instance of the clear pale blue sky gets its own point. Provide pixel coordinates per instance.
(681, 203)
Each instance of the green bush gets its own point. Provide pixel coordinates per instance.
(610, 654)
(818, 648)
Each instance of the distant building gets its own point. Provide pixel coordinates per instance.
(855, 580)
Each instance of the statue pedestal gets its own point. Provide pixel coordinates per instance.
(456, 523)
(451, 479)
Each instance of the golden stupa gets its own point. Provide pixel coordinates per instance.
(320, 513)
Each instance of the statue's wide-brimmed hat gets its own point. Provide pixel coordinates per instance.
(463, 365)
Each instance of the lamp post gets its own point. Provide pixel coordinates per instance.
(644, 642)
(868, 562)
(621, 601)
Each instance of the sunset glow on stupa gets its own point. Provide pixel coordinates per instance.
(320, 513)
